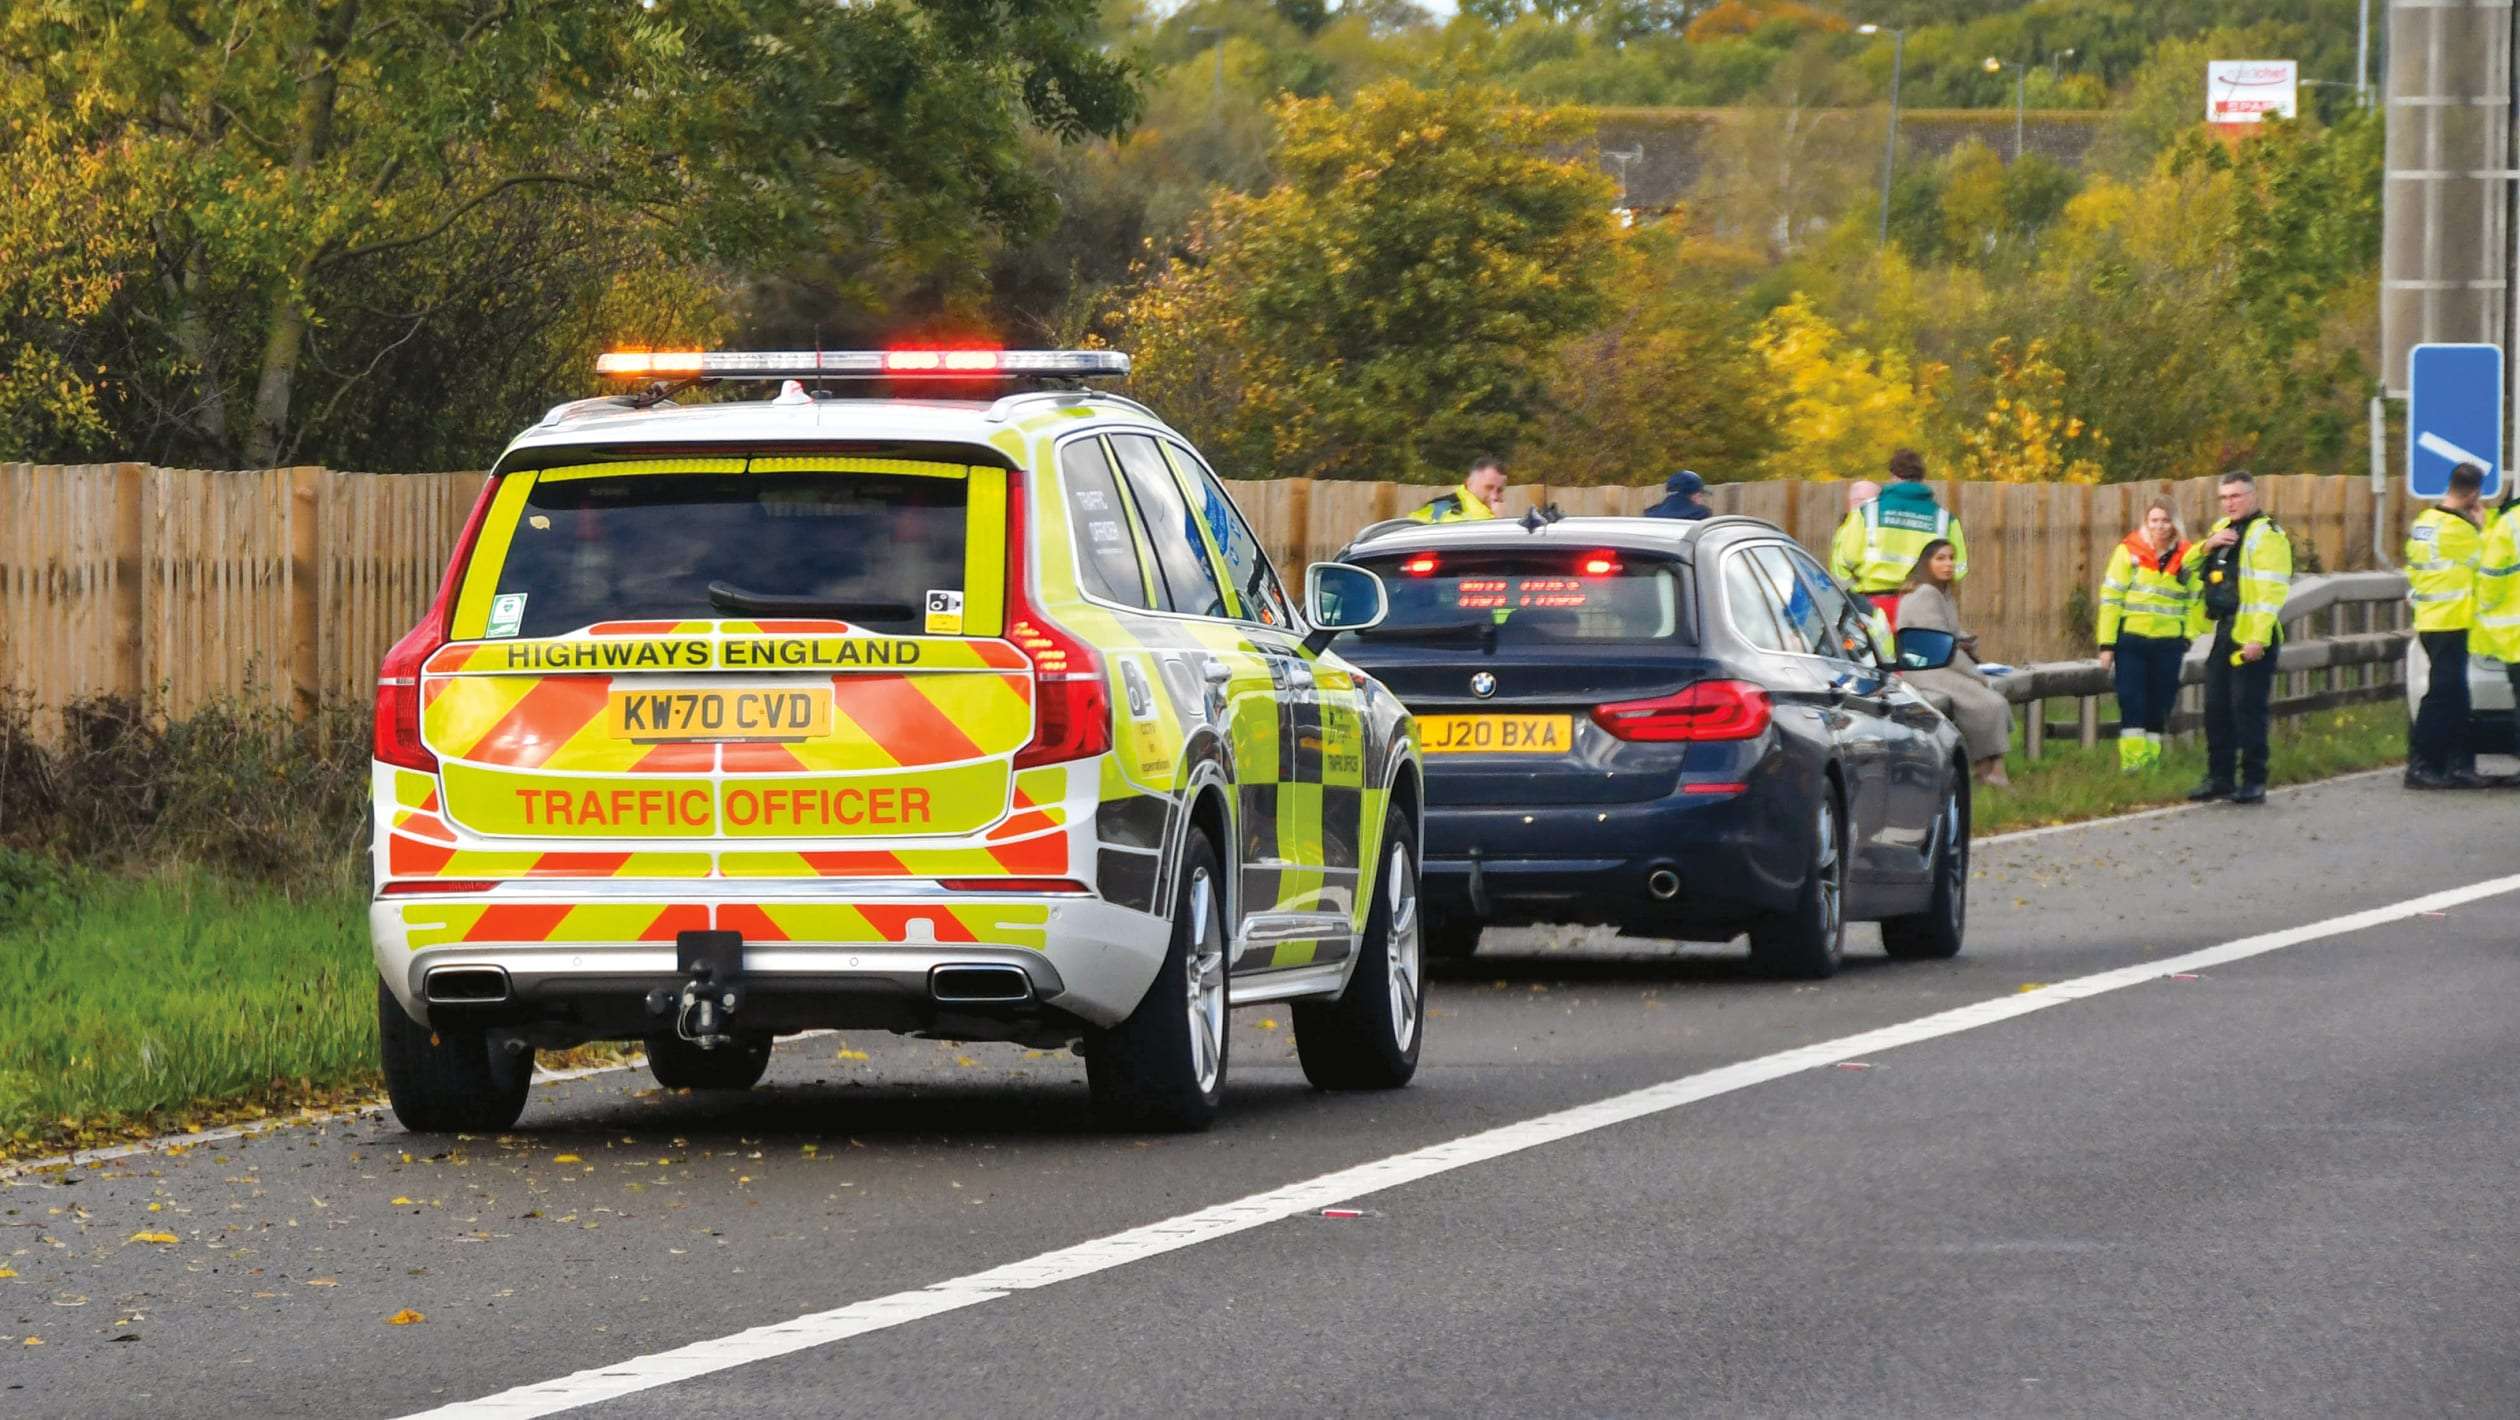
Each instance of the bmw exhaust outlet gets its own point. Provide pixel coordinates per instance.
(465, 986)
(1663, 883)
(712, 964)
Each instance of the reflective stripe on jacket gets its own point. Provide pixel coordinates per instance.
(1459, 506)
(1877, 546)
(2264, 567)
(2442, 550)
(2497, 632)
(2142, 593)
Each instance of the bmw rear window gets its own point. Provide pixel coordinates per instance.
(1535, 596)
(880, 549)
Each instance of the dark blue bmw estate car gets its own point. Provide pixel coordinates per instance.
(1680, 729)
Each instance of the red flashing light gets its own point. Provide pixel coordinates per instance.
(1421, 565)
(1708, 710)
(1599, 564)
(941, 361)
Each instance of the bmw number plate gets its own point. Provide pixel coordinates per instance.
(1497, 734)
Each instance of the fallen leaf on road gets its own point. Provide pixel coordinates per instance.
(567, 1159)
(2033, 986)
(405, 1317)
(1267, 1023)
(162, 1239)
(401, 1202)
(845, 1053)
(34, 1341)
(6, 1272)
(323, 1281)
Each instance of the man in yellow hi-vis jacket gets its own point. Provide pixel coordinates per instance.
(2243, 568)
(1876, 548)
(2497, 632)
(2443, 549)
(1476, 498)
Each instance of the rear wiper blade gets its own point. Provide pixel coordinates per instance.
(726, 596)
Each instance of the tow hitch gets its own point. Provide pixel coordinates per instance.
(712, 967)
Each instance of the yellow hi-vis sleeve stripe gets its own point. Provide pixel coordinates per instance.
(481, 578)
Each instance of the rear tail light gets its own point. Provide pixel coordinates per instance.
(1421, 565)
(1071, 698)
(1708, 710)
(397, 737)
(1023, 885)
(1599, 564)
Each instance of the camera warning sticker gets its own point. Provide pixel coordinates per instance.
(944, 613)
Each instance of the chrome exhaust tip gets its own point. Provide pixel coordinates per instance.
(465, 986)
(1663, 883)
(979, 985)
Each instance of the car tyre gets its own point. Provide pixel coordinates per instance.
(679, 1064)
(1164, 1067)
(1368, 1038)
(1935, 933)
(1451, 938)
(1808, 941)
(449, 1081)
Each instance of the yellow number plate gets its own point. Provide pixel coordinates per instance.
(1497, 734)
(648, 716)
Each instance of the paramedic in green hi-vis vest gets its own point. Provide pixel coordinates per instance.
(1880, 541)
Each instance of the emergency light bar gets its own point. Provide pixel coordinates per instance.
(856, 364)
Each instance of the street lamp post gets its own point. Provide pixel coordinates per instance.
(2056, 65)
(1216, 69)
(2021, 95)
(1890, 145)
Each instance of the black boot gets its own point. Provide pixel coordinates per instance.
(2249, 794)
(2209, 791)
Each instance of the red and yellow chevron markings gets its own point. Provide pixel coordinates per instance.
(438, 924)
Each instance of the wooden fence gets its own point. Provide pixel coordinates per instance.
(186, 585)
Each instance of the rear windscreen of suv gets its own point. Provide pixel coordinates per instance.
(868, 548)
(1537, 596)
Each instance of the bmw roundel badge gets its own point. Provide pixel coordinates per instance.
(1483, 685)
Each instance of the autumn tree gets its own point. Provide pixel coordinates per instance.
(302, 196)
(1389, 307)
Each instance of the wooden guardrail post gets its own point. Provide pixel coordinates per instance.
(306, 589)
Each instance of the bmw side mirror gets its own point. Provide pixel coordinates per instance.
(1921, 649)
(1340, 596)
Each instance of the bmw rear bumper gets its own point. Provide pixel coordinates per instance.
(1731, 859)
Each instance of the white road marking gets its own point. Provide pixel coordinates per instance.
(644, 1373)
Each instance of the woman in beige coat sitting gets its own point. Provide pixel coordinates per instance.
(1983, 715)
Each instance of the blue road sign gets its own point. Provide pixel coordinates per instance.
(2454, 415)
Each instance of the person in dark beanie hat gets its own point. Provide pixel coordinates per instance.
(1684, 497)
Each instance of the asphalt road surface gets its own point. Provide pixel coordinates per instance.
(2274, 1180)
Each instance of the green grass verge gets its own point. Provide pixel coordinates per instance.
(2069, 783)
(136, 1005)
(127, 1003)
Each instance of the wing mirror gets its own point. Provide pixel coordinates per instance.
(1340, 596)
(1921, 649)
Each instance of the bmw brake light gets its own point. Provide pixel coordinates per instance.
(1708, 710)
